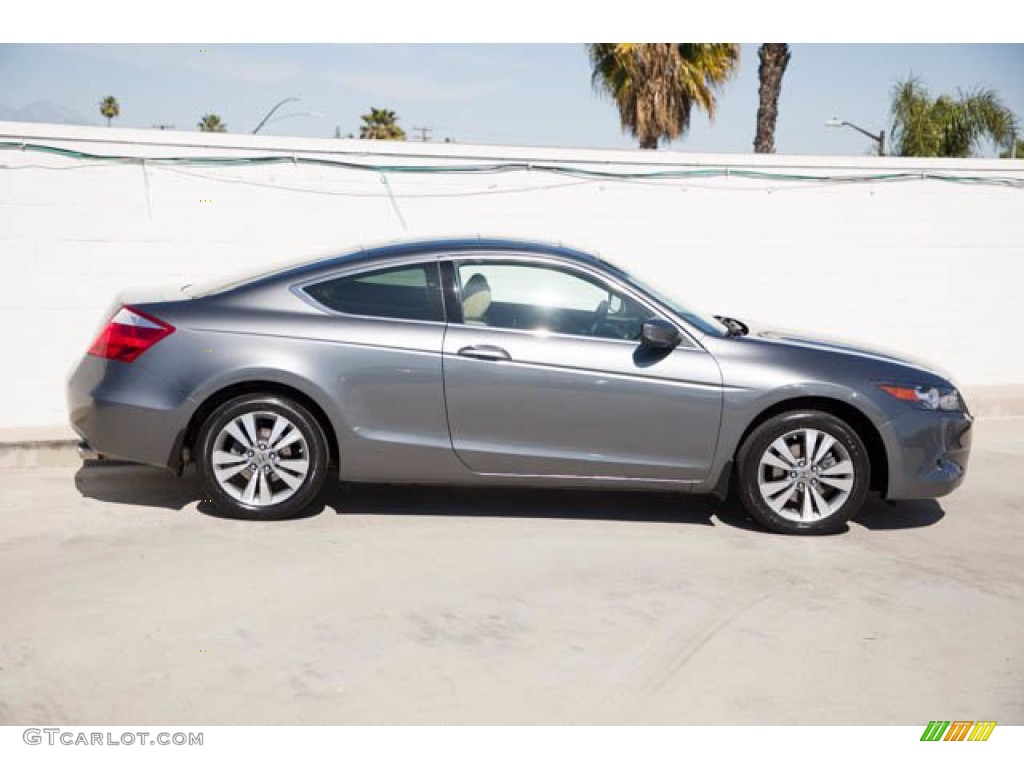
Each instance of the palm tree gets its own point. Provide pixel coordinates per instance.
(774, 60)
(946, 126)
(381, 124)
(657, 85)
(211, 123)
(109, 108)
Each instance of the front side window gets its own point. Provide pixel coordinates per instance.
(409, 292)
(535, 297)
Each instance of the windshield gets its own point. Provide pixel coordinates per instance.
(705, 323)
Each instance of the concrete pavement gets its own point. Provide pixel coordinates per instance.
(124, 601)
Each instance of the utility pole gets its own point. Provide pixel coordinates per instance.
(424, 132)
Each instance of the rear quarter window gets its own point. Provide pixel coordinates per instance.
(401, 293)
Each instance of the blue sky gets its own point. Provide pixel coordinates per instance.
(505, 94)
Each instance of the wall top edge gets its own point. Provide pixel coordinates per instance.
(151, 142)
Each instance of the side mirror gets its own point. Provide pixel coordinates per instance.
(659, 334)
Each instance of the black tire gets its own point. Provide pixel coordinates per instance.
(313, 448)
(748, 464)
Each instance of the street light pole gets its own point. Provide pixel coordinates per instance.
(273, 109)
(315, 113)
(835, 122)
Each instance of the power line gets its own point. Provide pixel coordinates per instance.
(684, 173)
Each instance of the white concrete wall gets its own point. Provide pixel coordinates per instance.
(929, 267)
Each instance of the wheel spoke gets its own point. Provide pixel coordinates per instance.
(235, 430)
(810, 443)
(301, 466)
(225, 458)
(807, 508)
(822, 507)
(782, 499)
(227, 473)
(287, 439)
(823, 449)
(266, 495)
(280, 425)
(842, 468)
(783, 450)
(774, 461)
(842, 483)
(249, 494)
(773, 487)
(293, 481)
(249, 422)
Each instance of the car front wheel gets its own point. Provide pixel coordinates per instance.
(262, 457)
(803, 472)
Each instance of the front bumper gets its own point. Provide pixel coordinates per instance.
(928, 453)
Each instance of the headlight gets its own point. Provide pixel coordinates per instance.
(929, 398)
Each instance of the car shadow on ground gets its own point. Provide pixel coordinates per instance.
(878, 515)
(455, 501)
(143, 486)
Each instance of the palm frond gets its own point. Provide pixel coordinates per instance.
(212, 123)
(381, 124)
(656, 85)
(947, 125)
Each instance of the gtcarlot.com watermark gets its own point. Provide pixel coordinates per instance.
(69, 738)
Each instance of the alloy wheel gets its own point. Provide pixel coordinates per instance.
(805, 475)
(260, 458)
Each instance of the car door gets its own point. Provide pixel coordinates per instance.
(544, 375)
(379, 354)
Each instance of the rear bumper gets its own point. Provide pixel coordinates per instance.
(87, 453)
(122, 411)
(928, 453)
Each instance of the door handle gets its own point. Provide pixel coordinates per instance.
(485, 352)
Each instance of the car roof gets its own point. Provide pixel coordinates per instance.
(449, 245)
(368, 255)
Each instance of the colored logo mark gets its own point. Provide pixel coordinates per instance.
(958, 730)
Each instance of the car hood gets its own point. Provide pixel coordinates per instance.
(808, 341)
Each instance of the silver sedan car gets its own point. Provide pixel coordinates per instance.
(503, 362)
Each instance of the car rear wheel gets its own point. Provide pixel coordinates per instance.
(803, 472)
(262, 457)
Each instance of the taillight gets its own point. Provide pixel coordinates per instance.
(128, 334)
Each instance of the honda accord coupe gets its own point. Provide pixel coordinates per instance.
(501, 362)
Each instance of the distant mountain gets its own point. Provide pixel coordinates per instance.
(44, 112)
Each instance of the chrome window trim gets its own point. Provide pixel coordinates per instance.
(353, 270)
(541, 334)
(690, 335)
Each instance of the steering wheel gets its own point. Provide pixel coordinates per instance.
(600, 315)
